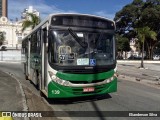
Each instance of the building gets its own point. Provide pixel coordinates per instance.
(29, 10)
(13, 30)
(135, 52)
(3, 8)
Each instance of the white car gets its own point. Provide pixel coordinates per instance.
(156, 57)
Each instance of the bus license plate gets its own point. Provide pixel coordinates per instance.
(89, 89)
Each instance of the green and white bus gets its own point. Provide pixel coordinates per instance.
(71, 55)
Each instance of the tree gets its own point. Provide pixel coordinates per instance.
(151, 42)
(122, 45)
(142, 34)
(127, 17)
(31, 22)
(139, 14)
(150, 17)
(2, 38)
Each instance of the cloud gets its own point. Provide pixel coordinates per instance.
(105, 14)
(45, 10)
(16, 7)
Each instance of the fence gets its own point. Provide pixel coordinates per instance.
(10, 55)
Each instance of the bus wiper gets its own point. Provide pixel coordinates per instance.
(78, 40)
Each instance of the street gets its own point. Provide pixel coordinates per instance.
(131, 96)
(79, 60)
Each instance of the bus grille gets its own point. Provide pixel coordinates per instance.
(86, 82)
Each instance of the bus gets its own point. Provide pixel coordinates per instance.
(71, 55)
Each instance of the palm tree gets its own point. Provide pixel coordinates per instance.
(2, 37)
(142, 34)
(32, 21)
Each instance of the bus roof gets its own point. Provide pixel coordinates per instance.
(79, 14)
(48, 19)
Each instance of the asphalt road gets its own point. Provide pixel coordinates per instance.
(131, 96)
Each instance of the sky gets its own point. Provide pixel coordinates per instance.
(104, 8)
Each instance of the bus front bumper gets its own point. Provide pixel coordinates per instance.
(58, 91)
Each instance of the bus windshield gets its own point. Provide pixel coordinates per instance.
(74, 48)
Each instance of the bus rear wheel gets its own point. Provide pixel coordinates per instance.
(26, 77)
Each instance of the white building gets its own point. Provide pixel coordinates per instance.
(13, 30)
(134, 50)
(29, 10)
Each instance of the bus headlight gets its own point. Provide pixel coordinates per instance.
(58, 80)
(110, 79)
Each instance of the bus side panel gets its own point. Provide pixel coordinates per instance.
(27, 60)
(24, 57)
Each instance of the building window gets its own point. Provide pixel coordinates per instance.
(19, 40)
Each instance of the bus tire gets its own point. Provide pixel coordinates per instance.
(38, 81)
(26, 77)
(38, 86)
(41, 93)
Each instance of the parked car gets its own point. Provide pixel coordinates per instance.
(156, 57)
(119, 58)
(134, 58)
(3, 48)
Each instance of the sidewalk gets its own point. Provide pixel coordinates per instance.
(12, 95)
(132, 72)
(14, 98)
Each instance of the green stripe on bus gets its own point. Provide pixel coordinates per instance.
(58, 91)
(87, 77)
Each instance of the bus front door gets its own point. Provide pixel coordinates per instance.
(44, 61)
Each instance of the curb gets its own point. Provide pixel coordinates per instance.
(24, 102)
(137, 61)
(155, 84)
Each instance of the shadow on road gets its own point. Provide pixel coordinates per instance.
(95, 112)
(73, 100)
(98, 113)
(77, 99)
(127, 65)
